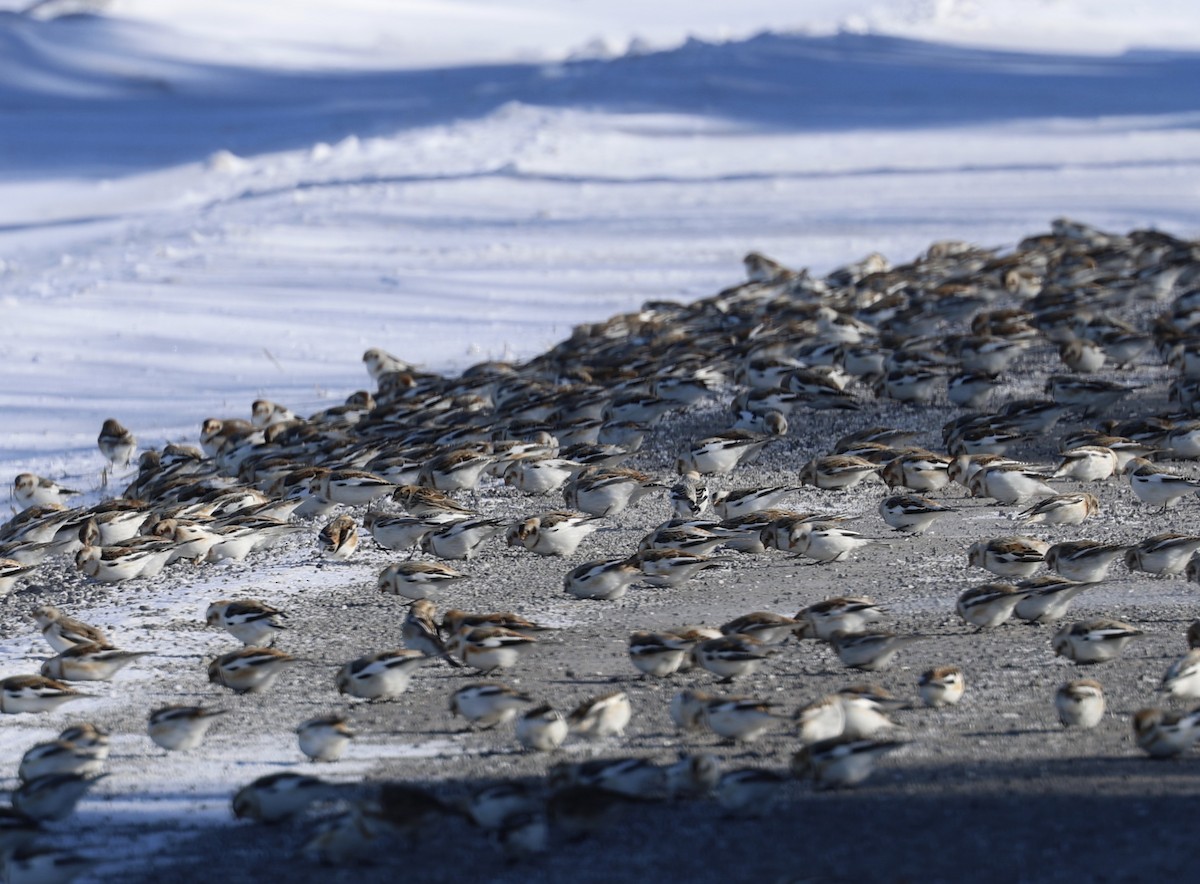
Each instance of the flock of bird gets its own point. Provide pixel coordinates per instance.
(412, 466)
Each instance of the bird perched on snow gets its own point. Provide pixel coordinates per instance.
(1182, 678)
(89, 662)
(1088, 463)
(63, 632)
(1047, 598)
(1094, 641)
(720, 454)
(249, 670)
(117, 444)
(279, 796)
(417, 580)
(488, 648)
(1062, 509)
(1166, 734)
(52, 798)
(989, 605)
(30, 491)
(324, 738)
(35, 693)
(841, 761)
(253, 623)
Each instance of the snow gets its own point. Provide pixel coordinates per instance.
(205, 203)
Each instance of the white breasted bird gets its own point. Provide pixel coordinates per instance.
(1094, 641)
(1080, 703)
(487, 704)
(324, 738)
(180, 727)
(253, 623)
(1182, 678)
(542, 729)
(380, 676)
(249, 670)
(63, 632)
(941, 686)
(601, 717)
(35, 693)
(841, 762)
(603, 580)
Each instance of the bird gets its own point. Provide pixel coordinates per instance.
(749, 791)
(1156, 486)
(692, 776)
(742, 501)
(30, 864)
(542, 728)
(1085, 561)
(1165, 734)
(606, 492)
(249, 670)
(1087, 463)
(852, 614)
(461, 539)
(1094, 641)
(10, 571)
(324, 738)
(1079, 703)
(1165, 554)
(670, 567)
(1182, 678)
(1047, 598)
(721, 454)
(338, 539)
(767, 627)
(30, 491)
(52, 798)
(421, 633)
(89, 662)
(1008, 483)
(489, 648)
(380, 676)
(601, 717)
(690, 497)
(35, 693)
(740, 719)
(842, 761)
(280, 796)
(822, 719)
(870, 651)
(941, 686)
(917, 471)
(116, 444)
(604, 579)
(556, 533)
(687, 708)
(58, 757)
(352, 487)
(911, 513)
(988, 605)
(180, 727)
(417, 580)
(825, 542)
(731, 656)
(62, 632)
(1062, 509)
(1010, 556)
(837, 471)
(488, 704)
(253, 623)
(658, 654)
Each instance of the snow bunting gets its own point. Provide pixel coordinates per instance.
(1048, 598)
(461, 539)
(849, 615)
(687, 709)
(988, 605)
(116, 443)
(692, 776)
(253, 623)
(114, 564)
(598, 718)
(338, 540)
(1182, 678)
(1093, 641)
(658, 654)
(1010, 556)
(1080, 703)
(1166, 734)
(539, 474)
(822, 719)
(631, 777)
(1092, 395)
(690, 496)
(59, 757)
(841, 761)
(1008, 483)
(249, 670)
(265, 413)
(89, 662)
(1088, 463)
(63, 632)
(670, 567)
(837, 471)
(421, 633)
(10, 570)
(605, 580)
(380, 676)
(557, 533)
(35, 693)
(52, 798)
(30, 490)
(1085, 561)
(749, 791)
(731, 656)
(769, 628)
(825, 542)
(941, 686)
(720, 454)
(279, 796)
(542, 729)
(457, 470)
(489, 648)
(870, 651)
(1156, 486)
(1163, 554)
(601, 491)
(180, 727)
(487, 704)
(743, 501)
(416, 580)
(1062, 509)
(401, 533)
(740, 719)
(911, 513)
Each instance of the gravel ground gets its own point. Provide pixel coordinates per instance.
(990, 790)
